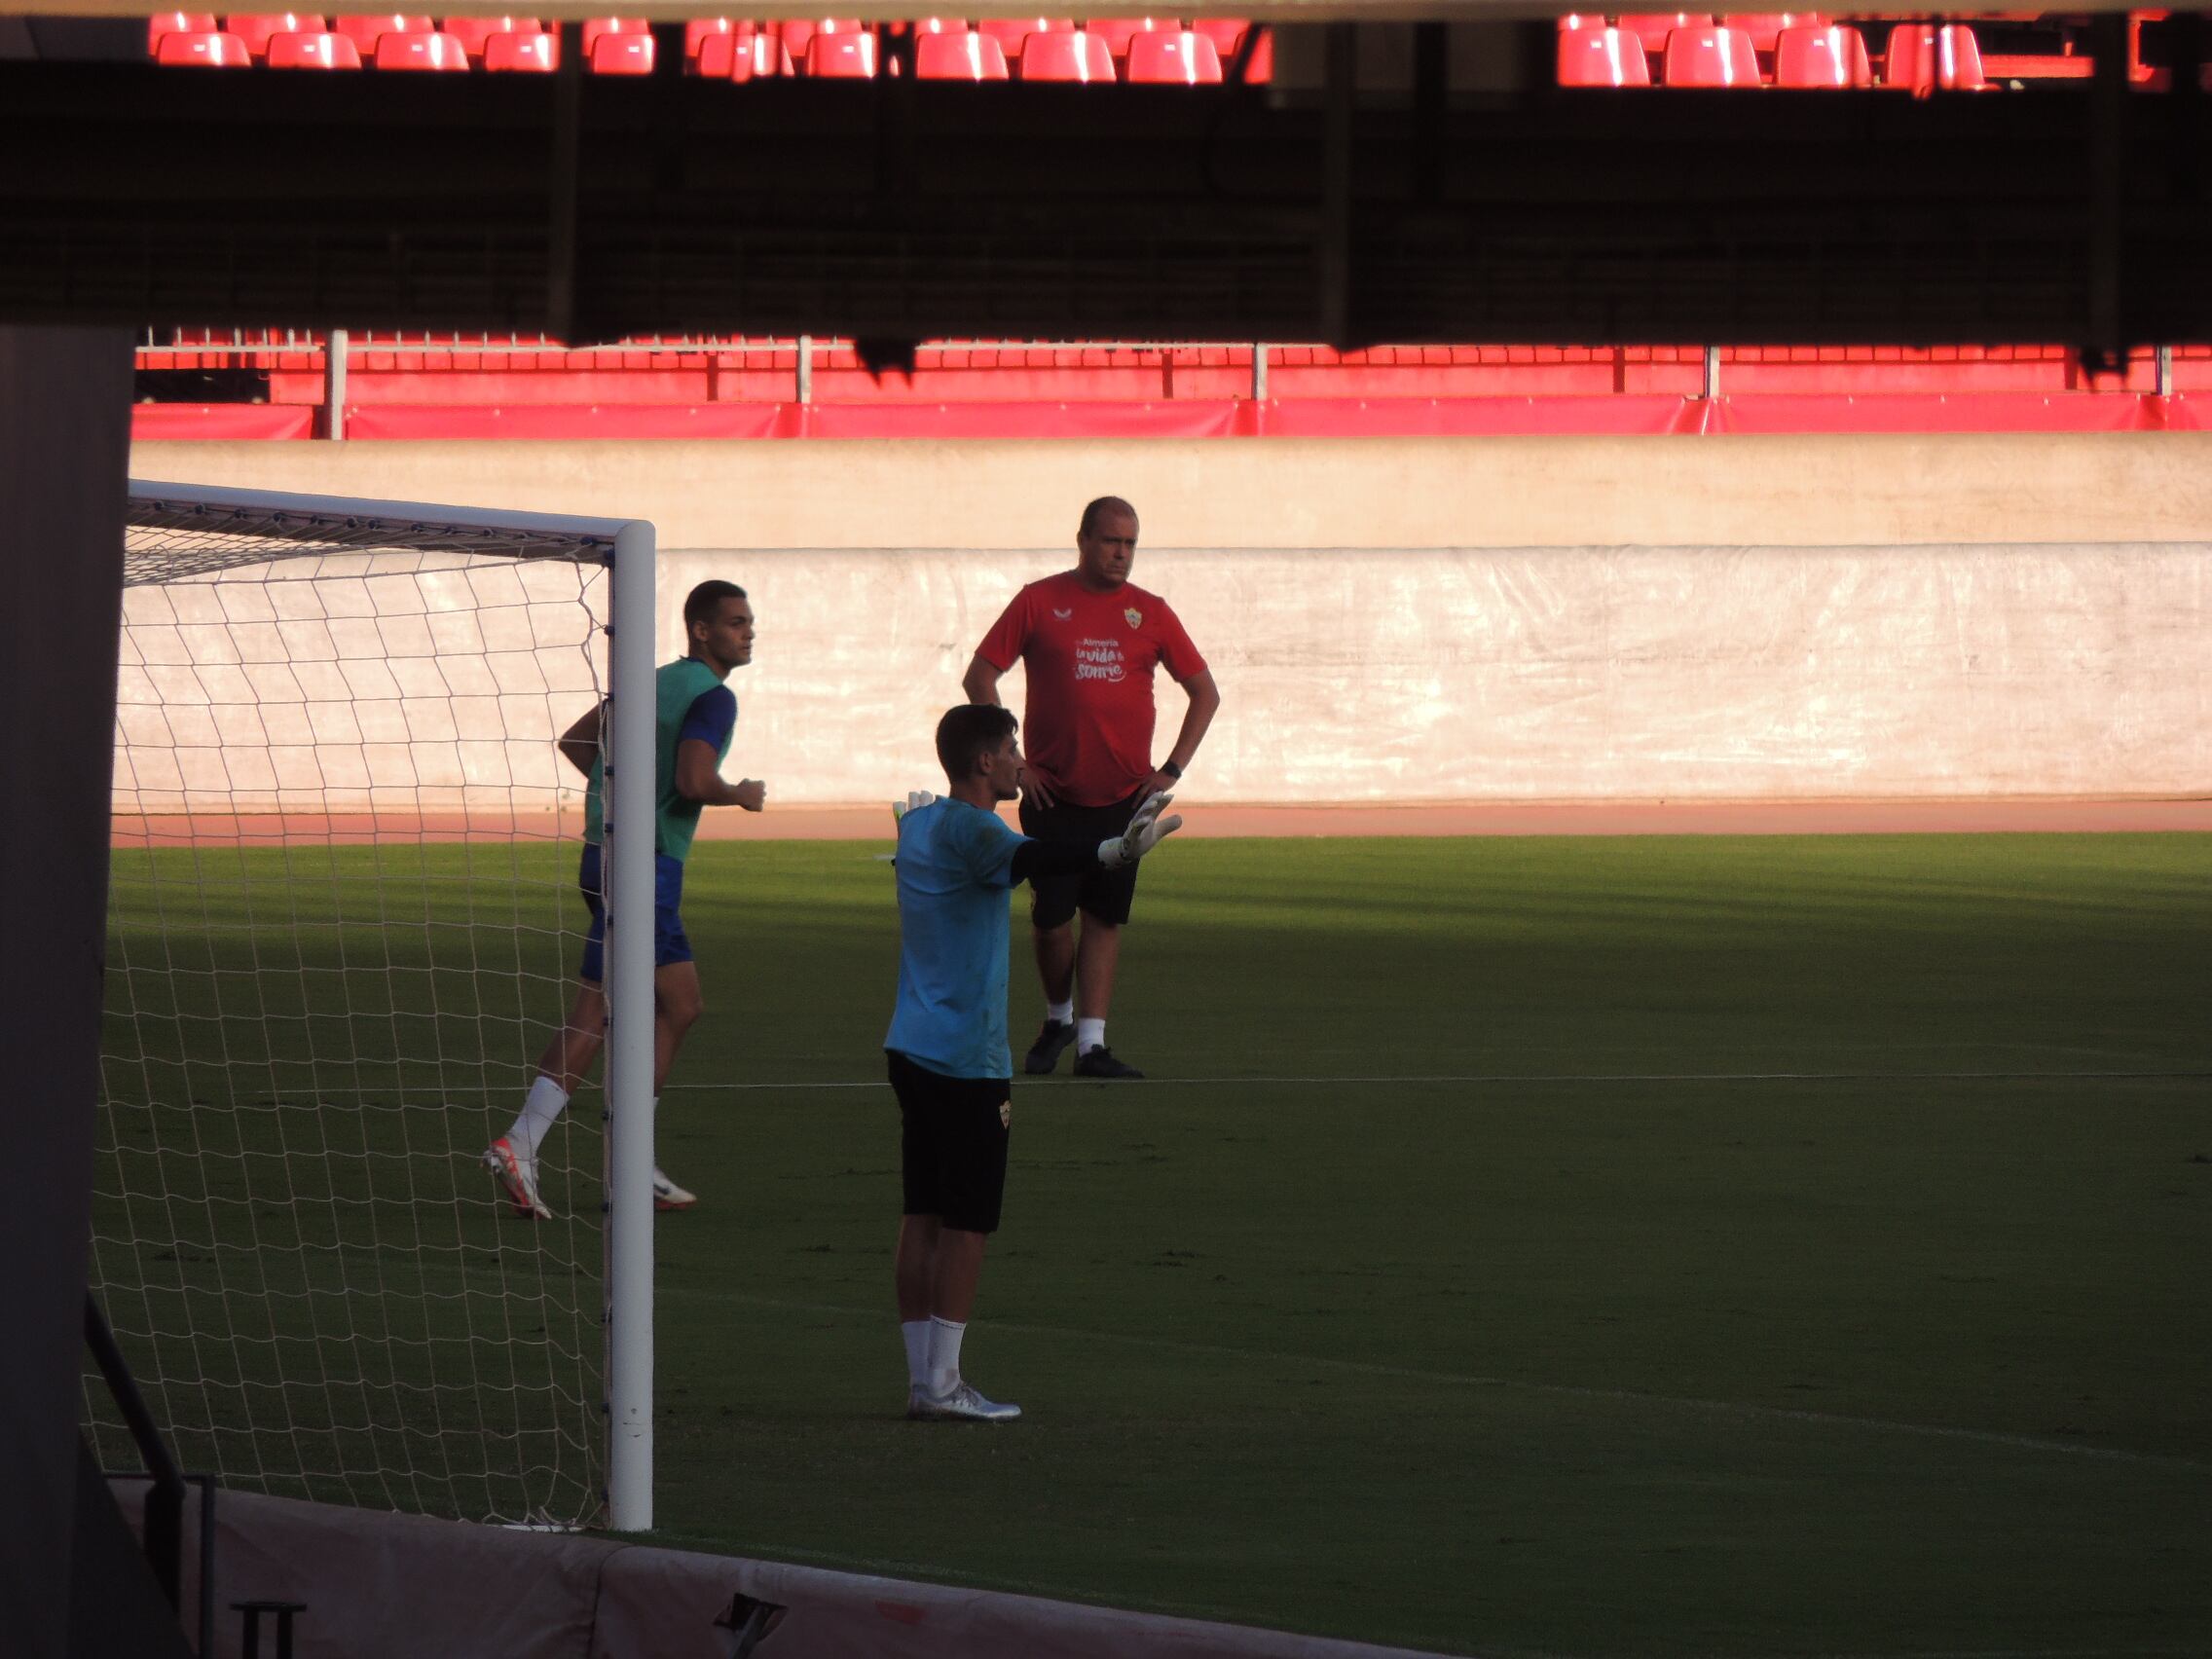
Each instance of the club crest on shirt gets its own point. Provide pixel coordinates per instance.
(1133, 617)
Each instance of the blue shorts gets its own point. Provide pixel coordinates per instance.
(670, 942)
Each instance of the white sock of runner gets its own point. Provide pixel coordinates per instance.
(1090, 1034)
(917, 1335)
(1060, 1013)
(945, 1355)
(540, 1109)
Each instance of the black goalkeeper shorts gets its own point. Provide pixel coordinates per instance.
(952, 1144)
(1102, 893)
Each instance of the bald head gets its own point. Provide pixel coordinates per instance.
(1104, 504)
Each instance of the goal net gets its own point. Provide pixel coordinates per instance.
(343, 922)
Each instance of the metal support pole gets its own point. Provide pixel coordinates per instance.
(806, 368)
(1260, 373)
(629, 857)
(1712, 374)
(334, 384)
(2165, 363)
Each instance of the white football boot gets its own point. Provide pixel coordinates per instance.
(668, 1195)
(961, 1405)
(519, 1177)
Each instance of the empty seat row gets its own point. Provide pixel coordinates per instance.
(1920, 57)
(1145, 49)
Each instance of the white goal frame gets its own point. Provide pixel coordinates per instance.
(629, 553)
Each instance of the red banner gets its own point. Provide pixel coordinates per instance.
(219, 420)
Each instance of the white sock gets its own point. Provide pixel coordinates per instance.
(1060, 1013)
(945, 1355)
(540, 1109)
(1090, 1034)
(917, 1335)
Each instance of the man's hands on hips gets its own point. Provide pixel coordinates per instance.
(1036, 791)
(1160, 783)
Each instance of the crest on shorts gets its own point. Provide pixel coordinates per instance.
(1005, 1114)
(1133, 617)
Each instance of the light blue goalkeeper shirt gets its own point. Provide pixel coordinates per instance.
(955, 867)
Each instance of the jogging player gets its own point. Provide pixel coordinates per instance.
(950, 1066)
(1090, 640)
(696, 716)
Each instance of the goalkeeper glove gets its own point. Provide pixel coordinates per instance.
(915, 800)
(1145, 830)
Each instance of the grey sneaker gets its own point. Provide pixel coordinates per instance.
(962, 1405)
(1101, 1063)
(1045, 1053)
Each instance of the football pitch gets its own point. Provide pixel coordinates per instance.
(1565, 1247)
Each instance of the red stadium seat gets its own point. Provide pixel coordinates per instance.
(1653, 27)
(524, 53)
(1066, 58)
(770, 56)
(940, 25)
(1183, 59)
(365, 31)
(473, 32)
(255, 27)
(1928, 59)
(1602, 58)
(841, 57)
(1833, 56)
(594, 28)
(799, 32)
(420, 52)
(966, 56)
(176, 22)
(1765, 27)
(1226, 33)
(697, 29)
(1260, 67)
(1011, 32)
(622, 54)
(725, 57)
(209, 51)
(1573, 22)
(313, 51)
(1117, 32)
(1711, 56)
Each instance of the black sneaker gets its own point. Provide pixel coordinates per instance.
(1045, 1053)
(1100, 1062)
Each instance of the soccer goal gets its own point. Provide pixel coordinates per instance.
(342, 920)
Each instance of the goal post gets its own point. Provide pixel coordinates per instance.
(342, 921)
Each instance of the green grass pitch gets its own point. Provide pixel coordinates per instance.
(1730, 1246)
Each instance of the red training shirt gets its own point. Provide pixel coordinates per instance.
(1087, 728)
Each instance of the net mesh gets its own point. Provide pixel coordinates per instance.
(342, 921)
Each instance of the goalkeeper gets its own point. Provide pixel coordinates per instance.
(950, 1066)
(696, 717)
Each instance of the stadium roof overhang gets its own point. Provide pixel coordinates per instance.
(1398, 182)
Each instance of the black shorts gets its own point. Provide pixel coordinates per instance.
(1102, 893)
(952, 1143)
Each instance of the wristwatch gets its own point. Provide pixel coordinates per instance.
(1171, 769)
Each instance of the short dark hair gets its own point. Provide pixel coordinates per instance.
(968, 732)
(1104, 504)
(702, 600)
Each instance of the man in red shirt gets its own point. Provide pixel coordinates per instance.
(1089, 640)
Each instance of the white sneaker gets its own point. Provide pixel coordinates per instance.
(962, 1405)
(667, 1194)
(519, 1177)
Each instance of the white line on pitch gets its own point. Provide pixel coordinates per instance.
(1559, 1078)
(1414, 1374)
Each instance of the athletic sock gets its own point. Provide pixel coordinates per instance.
(917, 1335)
(945, 1355)
(1060, 1013)
(1090, 1034)
(540, 1109)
